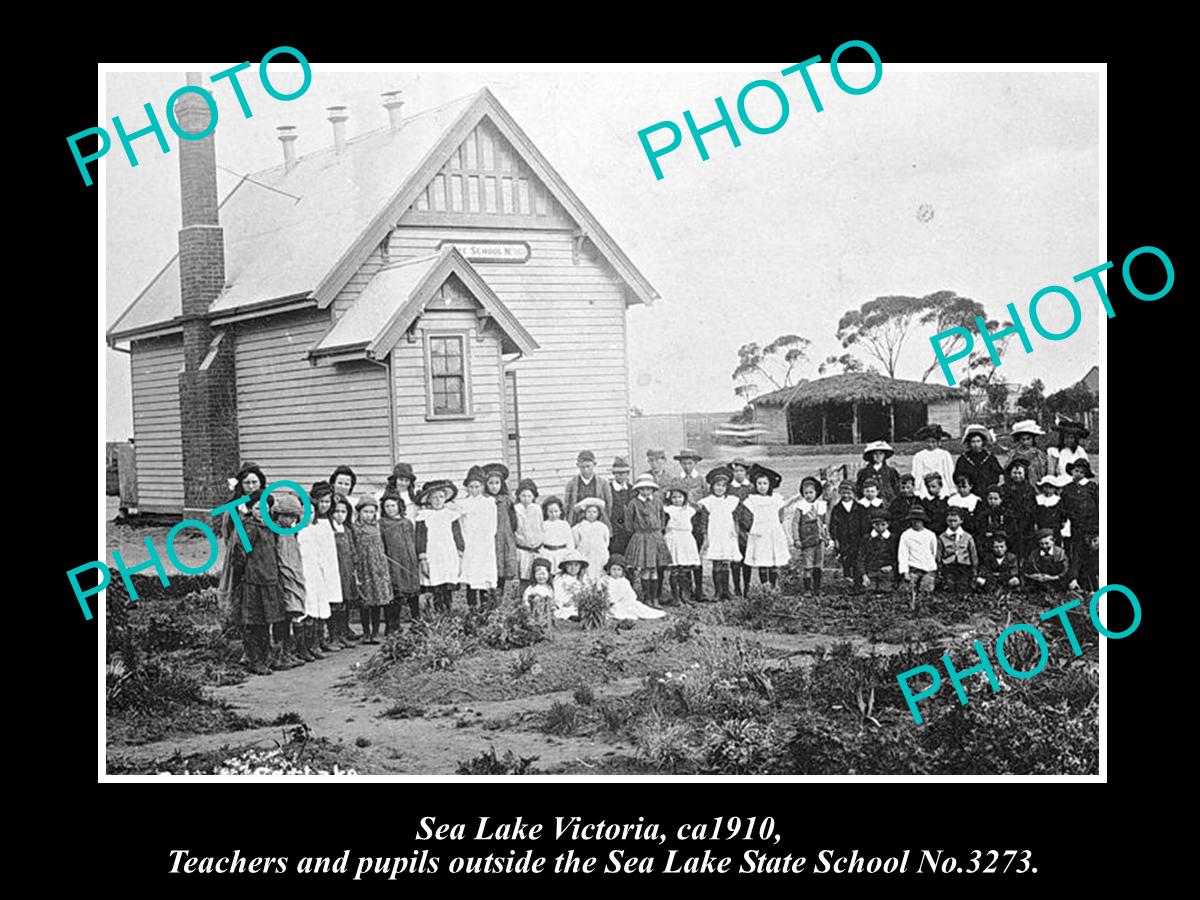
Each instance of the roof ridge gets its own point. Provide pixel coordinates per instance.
(312, 154)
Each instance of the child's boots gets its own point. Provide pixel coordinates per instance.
(310, 638)
(698, 585)
(816, 581)
(326, 643)
(260, 643)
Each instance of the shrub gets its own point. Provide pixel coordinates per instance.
(741, 746)
(561, 719)
(592, 604)
(505, 628)
(584, 695)
(153, 688)
(433, 645)
(615, 714)
(487, 763)
(525, 663)
(662, 742)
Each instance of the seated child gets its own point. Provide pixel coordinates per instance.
(539, 596)
(998, 568)
(571, 567)
(918, 552)
(878, 552)
(1045, 569)
(959, 558)
(625, 604)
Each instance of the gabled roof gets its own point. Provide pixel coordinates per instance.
(302, 234)
(397, 295)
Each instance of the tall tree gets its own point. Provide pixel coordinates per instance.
(946, 310)
(775, 364)
(1032, 400)
(880, 327)
(847, 362)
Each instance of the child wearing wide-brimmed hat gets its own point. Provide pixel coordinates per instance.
(847, 528)
(932, 458)
(810, 531)
(538, 596)
(680, 541)
(977, 461)
(528, 536)
(371, 568)
(591, 534)
(1048, 511)
(440, 541)
(767, 546)
(1069, 448)
(876, 455)
(690, 476)
(571, 578)
(479, 571)
(719, 512)
(508, 563)
(1025, 434)
(917, 554)
(557, 537)
(647, 551)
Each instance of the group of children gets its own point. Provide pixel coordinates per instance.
(293, 594)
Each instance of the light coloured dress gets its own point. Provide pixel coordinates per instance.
(767, 545)
(678, 535)
(565, 587)
(557, 539)
(479, 534)
(528, 537)
(441, 551)
(721, 540)
(625, 604)
(591, 539)
(319, 561)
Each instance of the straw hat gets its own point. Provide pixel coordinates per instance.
(587, 502)
(1051, 480)
(572, 556)
(687, 453)
(621, 464)
(878, 445)
(645, 480)
(979, 430)
(676, 487)
(1027, 426)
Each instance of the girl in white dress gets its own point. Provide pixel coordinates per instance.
(767, 545)
(720, 530)
(591, 535)
(439, 541)
(319, 562)
(571, 578)
(680, 541)
(479, 535)
(557, 537)
(625, 604)
(529, 530)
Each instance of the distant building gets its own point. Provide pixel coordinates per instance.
(856, 407)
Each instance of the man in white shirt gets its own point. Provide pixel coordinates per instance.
(932, 459)
(918, 552)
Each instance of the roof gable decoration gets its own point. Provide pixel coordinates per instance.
(485, 106)
(398, 295)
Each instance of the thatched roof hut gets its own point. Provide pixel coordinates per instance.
(855, 407)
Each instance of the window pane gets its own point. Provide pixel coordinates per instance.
(438, 364)
(437, 346)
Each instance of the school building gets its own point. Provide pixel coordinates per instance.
(431, 291)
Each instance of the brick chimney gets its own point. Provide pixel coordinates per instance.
(338, 118)
(287, 137)
(207, 388)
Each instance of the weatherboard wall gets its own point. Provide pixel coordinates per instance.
(155, 364)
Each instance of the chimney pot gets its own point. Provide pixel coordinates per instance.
(393, 102)
(287, 137)
(337, 118)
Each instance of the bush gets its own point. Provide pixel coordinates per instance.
(592, 604)
(431, 645)
(505, 628)
(584, 695)
(525, 663)
(663, 743)
(152, 688)
(561, 719)
(615, 714)
(741, 746)
(487, 763)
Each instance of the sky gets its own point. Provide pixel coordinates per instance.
(780, 235)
